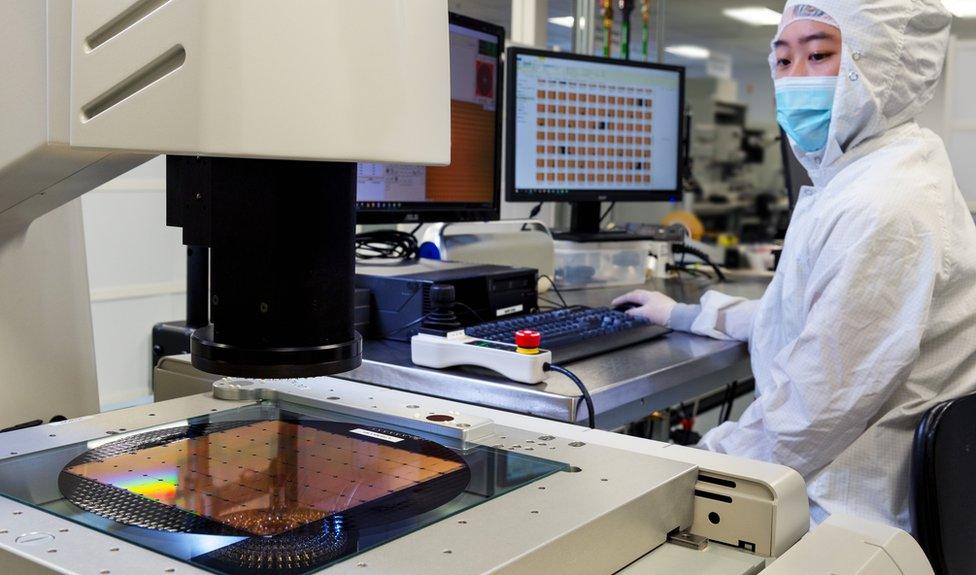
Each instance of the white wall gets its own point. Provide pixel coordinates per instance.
(756, 91)
(136, 274)
(46, 347)
(959, 124)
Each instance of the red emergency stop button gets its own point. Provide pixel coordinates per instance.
(527, 341)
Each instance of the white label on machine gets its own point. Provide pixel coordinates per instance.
(509, 310)
(376, 435)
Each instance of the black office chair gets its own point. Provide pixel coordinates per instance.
(943, 486)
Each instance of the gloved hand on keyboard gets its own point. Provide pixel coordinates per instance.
(652, 306)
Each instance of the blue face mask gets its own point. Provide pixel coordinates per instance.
(803, 108)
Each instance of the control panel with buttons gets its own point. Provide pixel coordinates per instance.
(524, 362)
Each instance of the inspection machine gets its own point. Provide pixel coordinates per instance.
(299, 476)
(313, 474)
(263, 109)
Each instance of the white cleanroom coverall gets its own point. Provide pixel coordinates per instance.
(870, 319)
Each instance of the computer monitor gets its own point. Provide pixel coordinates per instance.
(469, 189)
(587, 130)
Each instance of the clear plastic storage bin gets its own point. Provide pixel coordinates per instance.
(600, 264)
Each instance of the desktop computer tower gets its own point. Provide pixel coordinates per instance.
(400, 294)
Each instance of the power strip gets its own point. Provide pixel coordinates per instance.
(457, 349)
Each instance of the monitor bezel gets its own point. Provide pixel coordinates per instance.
(512, 194)
(449, 212)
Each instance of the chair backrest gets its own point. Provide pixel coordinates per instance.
(943, 486)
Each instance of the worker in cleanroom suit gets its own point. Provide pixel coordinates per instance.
(870, 319)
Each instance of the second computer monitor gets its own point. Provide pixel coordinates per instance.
(586, 129)
(468, 189)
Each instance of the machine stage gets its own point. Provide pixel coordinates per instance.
(321, 475)
(270, 487)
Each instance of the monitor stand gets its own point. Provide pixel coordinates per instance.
(584, 227)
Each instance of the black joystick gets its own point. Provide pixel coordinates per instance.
(441, 318)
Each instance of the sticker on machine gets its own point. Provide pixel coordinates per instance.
(376, 435)
(509, 310)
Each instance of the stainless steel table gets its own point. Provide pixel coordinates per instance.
(626, 385)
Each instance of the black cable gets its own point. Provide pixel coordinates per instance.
(686, 249)
(699, 273)
(555, 289)
(33, 423)
(607, 213)
(591, 416)
(721, 408)
(405, 326)
(718, 398)
(689, 270)
(388, 245)
(470, 309)
(425, 316)
(678, 269)
(535, 212)
(725, 412)
(554, 304)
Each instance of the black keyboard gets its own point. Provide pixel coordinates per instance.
(574, 332)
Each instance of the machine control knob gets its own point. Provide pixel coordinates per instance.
(528, 341)
(441, 318)
(442, 295)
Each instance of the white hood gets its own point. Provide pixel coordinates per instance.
(892, 58)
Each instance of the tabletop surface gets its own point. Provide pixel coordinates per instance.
(652, 375)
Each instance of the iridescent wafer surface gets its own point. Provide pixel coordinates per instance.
(267, 477)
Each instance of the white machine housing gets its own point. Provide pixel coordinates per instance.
(611, 513)
(93, 88)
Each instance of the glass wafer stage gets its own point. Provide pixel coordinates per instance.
(267, 488)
